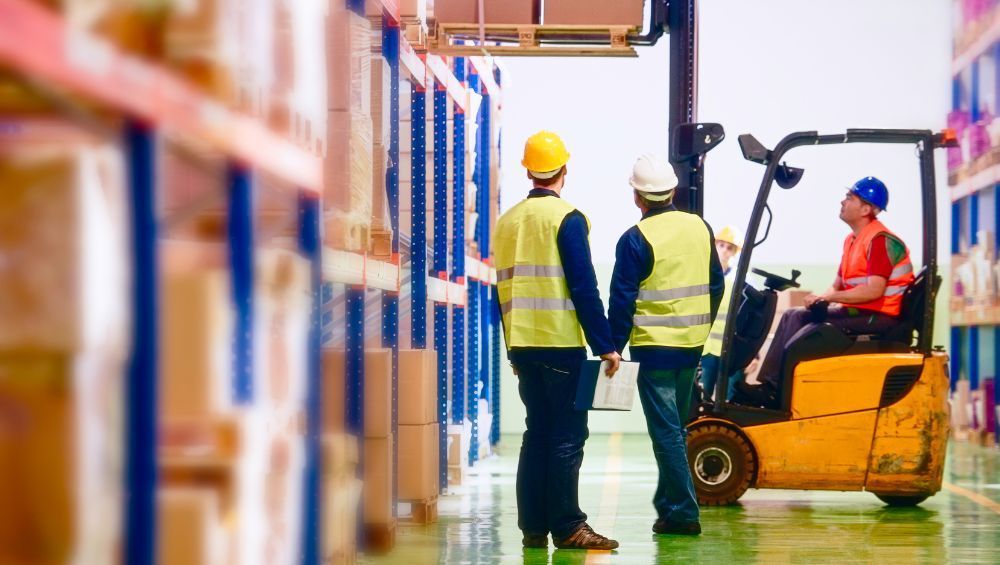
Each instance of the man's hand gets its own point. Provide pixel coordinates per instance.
(811, 299)
(614, 361)
(752, 367)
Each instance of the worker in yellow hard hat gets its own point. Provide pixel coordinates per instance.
(551, 309)
(728, 243)
(665, 293)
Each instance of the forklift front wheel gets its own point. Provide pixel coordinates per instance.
(901, 501)
(722, 464)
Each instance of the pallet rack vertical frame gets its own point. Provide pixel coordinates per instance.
(141, 409)
(473, 334)
(390, 298)
(458, 255)
(441, 268)
(240, 232)
(311, 246)
(418, 222)
(495, 321)
(483, 235)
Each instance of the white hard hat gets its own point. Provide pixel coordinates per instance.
(652, 174)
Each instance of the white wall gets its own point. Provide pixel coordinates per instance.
(767, 67)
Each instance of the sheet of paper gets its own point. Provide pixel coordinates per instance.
(617, 392)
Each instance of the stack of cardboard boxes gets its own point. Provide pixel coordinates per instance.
(342, 494)
(377, 462)
(349, 161)
(63, 347)
(256, 474)
(418, 431)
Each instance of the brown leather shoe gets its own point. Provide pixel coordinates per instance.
(535, 540)
(586, 538)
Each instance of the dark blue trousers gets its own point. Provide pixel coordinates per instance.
(548, 471)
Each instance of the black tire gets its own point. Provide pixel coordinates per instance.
(722, 464)
(901, 500)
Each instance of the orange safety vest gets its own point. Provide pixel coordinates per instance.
(854, 270)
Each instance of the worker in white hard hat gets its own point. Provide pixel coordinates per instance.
(551, 311)
(665, 293)
(728, 243)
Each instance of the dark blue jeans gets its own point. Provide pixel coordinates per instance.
(548, 471)
(710, 376)
(666, 398)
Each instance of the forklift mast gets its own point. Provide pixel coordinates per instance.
(683, 98)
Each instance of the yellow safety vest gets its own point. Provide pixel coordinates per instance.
(714, 344)
(534, 297)
(674, 306)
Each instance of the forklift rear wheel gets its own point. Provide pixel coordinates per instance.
(722, 464)
(901, 501)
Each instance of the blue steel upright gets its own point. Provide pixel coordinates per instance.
(143, 371)
(441, 269)
(418, 222)
(474, 335)
(495, 320)
(240, 228)
(458, 257)
(483, 237)
(311, 245)
(390, 299)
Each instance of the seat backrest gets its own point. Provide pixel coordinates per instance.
(753, 322)
(912, 309)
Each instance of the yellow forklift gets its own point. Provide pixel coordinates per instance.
(854, 412)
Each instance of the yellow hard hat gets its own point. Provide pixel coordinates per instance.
(544, 154)
(730, 234)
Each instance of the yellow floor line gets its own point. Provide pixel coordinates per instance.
(974, 497)
(607, 513)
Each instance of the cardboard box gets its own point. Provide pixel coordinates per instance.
(593, 12)
(61, 454)
(378, 393)
(347, 231)
(495, 11)
(190, 531)
(334, 418)
(340, 520)
(381, 98)
(349, 72)
(418, 455)
(418, 387)
(458, 446)
(349, 163)
(64, 278)
(340, 454)
(378, 480)
(196, 351)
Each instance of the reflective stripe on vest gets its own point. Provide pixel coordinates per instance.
(673, 308)
(854, 270)
(534, 298)
(714, 344)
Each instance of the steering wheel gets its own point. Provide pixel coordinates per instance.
(778, 283)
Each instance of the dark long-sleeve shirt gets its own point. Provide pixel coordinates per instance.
(633, 264)
(573, 243)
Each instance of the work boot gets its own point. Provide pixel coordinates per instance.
(535, 540)
(680, 528)
(586, 538)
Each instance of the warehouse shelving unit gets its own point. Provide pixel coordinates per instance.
(155, 105)
(974, 179)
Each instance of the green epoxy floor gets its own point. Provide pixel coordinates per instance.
(478, 522)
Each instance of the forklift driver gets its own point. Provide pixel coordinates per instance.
(875, 271)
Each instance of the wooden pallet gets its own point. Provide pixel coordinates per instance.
(379, 538)
(526, 40)
(421, 511)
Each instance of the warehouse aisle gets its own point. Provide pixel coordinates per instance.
(478, 524)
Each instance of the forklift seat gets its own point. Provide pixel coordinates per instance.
(823, 340)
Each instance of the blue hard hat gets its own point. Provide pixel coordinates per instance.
(872, 191)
